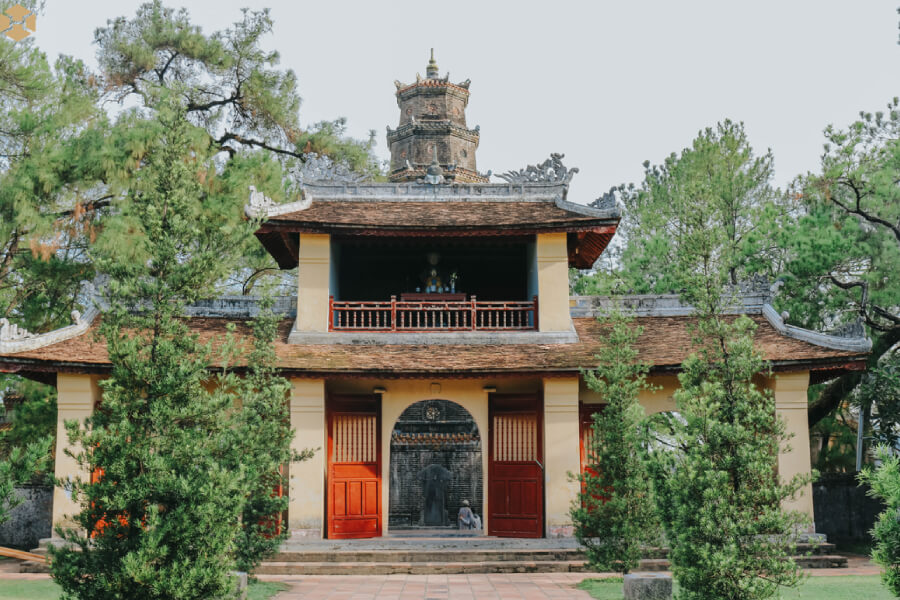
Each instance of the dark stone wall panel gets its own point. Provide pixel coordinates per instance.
(434, 432)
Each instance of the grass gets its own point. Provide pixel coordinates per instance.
(17, 589)
(45, 589)
(843, 587)
(263, 590)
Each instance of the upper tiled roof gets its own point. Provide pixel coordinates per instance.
(414, 215)
(414, 209)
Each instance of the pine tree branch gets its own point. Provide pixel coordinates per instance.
(161, 73)
(227, 137)
(194, 107)
(838, 390)
(864, 304)
(860, 212)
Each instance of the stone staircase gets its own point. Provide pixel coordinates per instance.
(423, 555)
(31, 566)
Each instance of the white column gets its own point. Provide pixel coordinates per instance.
(306, 511)
(313, 277)
(76, 396)
(561, 439)
(791, 405)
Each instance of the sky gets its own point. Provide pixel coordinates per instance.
(610, 84)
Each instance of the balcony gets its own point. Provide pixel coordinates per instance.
(416, 313)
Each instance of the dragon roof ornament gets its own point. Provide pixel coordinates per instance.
(605, 202)
(550, 171)
(14, 339)
(315, 169)
(318, 168)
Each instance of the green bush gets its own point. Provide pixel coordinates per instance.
(885, 484)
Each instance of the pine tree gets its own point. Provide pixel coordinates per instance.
(261, 446)
(614, 513)
(162, 511)
(719, 494)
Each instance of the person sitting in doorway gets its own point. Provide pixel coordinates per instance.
(467, 519)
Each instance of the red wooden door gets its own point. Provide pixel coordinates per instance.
(354, 467)
(586, 431)
(515, 466)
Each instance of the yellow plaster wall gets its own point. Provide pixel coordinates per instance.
(561, 453)
(76, 396)
(553, 282)
(791, 406)
(313, 274)
(653, 401)
(306, 510)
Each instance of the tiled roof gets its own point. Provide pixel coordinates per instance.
(665, 343)
(428, 215)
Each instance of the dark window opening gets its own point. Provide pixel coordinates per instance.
(377, 268)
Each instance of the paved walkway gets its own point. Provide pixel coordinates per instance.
(528, 586)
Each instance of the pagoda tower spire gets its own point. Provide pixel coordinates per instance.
(433, 124)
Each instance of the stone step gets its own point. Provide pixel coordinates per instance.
(435, 555)
(451, 564)
(822, 561)
(418, 568)
(30, 566)
(430, 556)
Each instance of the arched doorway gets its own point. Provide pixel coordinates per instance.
(435, 465)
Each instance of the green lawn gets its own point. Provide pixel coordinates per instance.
(844, 587)
(44, 589)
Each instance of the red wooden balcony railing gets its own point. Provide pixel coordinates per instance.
(433, 315)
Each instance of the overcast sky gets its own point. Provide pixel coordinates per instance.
(610, 84)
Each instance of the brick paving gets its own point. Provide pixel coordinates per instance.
(528, 586)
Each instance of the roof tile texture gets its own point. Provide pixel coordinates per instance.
(417, 215)
(665, 342)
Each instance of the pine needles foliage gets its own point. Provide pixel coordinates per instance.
(884, 483)
(718, 490)
(174, 462)
(614, 513)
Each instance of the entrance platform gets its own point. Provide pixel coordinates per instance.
(423, 552)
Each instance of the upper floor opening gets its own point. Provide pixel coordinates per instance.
(433, 284)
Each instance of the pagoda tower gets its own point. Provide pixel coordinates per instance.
(433, 129)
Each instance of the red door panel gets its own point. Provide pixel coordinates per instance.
(515, 466)
(354, 467)
(586, 429)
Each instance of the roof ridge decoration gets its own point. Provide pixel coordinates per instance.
(835, 342)
(606, 201)
(315, 169)
(322, 168)
(13, 339)
(550, 171)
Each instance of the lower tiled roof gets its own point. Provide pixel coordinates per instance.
(664, 343)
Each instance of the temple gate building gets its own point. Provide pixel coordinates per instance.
(433, 347)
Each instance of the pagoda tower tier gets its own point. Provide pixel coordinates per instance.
(433, 129)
